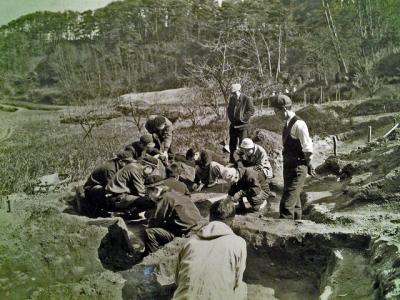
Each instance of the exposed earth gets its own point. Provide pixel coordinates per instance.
(348, 246)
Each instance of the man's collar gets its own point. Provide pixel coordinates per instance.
(290, 115)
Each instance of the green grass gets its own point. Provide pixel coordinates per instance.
(30, 106)
(8, 108)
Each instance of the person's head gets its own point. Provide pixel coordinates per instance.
(124, 157)
(231, 175)
(247, 146)
(223, 211)
(149, 164)
(190, 153)
(172, 171)
(154, 187)
(281, 104)
(159, 123)
(204, 158)
(147, 141)
(236, 88)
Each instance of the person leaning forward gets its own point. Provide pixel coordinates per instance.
(297, 151)
(94, 205)
(127, 189)
(143, 146)
(175, 215)
(240, 110)
(161, 129)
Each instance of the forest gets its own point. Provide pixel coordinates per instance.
(316, 50)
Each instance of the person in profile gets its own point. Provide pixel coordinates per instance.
(212, 262)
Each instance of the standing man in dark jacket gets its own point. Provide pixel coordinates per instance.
(297, 151)
(175, 215)
(240, 110)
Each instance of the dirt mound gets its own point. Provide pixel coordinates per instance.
(374, 107)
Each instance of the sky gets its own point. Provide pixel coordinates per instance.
(13, 9)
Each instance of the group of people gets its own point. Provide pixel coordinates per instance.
(145, 177)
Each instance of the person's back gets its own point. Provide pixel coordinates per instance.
(103, 173)
(212, 262)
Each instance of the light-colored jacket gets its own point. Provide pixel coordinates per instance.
(258, 159)
(211, 265)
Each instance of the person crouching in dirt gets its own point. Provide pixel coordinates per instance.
(161, 129)
(126, 191)
(212, 262)
(245, 182)
(175, 215)
(94, 188)
(145, 145)
(240, 110)
(208, 167)
(297, 151)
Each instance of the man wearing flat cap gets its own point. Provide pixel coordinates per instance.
(297, 151)
(240, 110)
(144, 145)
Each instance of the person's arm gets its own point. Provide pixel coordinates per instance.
(240, 264)
(137, 181)
(301, 132)
(264, 164)
(230, 109)
(249, 110)
(167, 135)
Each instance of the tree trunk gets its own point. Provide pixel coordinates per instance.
(278, 68)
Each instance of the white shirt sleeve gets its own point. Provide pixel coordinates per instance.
(300, 131)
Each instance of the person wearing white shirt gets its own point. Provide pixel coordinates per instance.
(297, 151)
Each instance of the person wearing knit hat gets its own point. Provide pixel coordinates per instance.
(161, 130)
(240, 110)
(143, 146)
(297, 151)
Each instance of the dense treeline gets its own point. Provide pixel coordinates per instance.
(141, 45)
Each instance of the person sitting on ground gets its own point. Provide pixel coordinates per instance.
(126, 190)
(245, 182)
(161, 129)
(96, 183)
(175, 215)
(252, 155)
(189, 158)
(207, 170)
(212, 262)
(173, 182)
(144, 145)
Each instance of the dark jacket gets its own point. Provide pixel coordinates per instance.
(177, 186)
(249, 183)
(138, 150)
(162, 139)
(128, 180)
(240, 110)
(177, 213)
(103, 173)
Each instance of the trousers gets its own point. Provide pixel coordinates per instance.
(236, 135)
(156, 237)
(294, 177)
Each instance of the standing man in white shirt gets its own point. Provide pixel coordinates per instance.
(297, 151)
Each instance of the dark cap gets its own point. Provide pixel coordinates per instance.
(172, 170)
(150, 161)
(125, 155)
(159, 121)
(281, 101)
(146, 139)
(154, 180)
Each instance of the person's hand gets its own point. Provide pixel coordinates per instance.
(164, 155)
(197, 187)
(237, 197)
(311, 171)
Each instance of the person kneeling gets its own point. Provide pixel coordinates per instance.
(212, 262)
(175, 215)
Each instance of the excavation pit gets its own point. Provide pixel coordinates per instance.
(302, 264)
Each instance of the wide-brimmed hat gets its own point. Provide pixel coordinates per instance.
(236, 87)
(247, 144)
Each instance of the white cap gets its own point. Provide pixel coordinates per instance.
(229, 174)
(247, 144)
(236, 87)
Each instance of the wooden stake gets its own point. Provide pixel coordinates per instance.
(305, 99)
(320, 98)
(394, 122)
(369, 134)
(334, 145)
